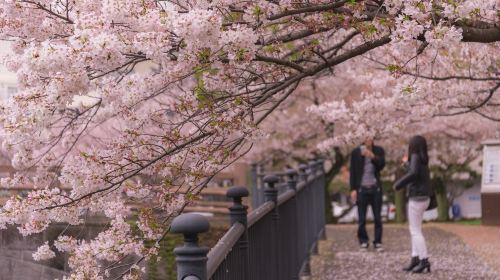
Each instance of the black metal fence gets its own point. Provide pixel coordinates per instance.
(272, 242)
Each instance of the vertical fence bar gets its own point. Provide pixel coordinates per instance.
(260, 184)
(322, 196)
(253, 185)
(191, 259)
(313, 206)
(272, 195)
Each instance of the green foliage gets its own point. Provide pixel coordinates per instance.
(204, 55)
(204, 96)
(387, 189)
(371, 28)
(271, 48)
(420, 6)
(473, 222)
(241, 53)
(275, 28)
(328, 15)
(289, 46)
(294, 56)
(338, 186)
(164, 268)
(257, 11)
(407, 89)
(238, 100)
(393, 68)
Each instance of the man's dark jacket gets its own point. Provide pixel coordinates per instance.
(358, 164)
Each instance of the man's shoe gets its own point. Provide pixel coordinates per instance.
(378, 247)
(363, 247)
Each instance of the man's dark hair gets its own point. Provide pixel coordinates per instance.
(418, 145)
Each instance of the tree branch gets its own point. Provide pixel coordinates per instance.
(480, 35)
(275, 60)
(309, 9)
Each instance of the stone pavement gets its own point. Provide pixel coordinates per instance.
(450, 256)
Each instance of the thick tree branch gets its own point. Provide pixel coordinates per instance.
(309, 9)
(487, 35)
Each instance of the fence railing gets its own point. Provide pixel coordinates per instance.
(272, 242)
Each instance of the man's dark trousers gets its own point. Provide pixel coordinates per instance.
(369, 196)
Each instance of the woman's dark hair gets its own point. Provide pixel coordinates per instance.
(418, 145)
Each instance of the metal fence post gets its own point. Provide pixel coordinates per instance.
(323, 196)
(191, 258)
(303, 172)
(260, 184)
(292, 179)
(238, 214)
(253, 184)
(304, 225)
(312, 168)
(271, 194)
(292, 185)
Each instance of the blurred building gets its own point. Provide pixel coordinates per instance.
(8, 81)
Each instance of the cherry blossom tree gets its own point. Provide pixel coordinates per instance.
(131, 101)
(291, 134)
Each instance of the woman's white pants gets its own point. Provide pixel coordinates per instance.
(416, 211)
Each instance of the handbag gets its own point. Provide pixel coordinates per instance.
(433, 202)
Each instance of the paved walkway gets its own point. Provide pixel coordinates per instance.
(484, 240)
(450, 256)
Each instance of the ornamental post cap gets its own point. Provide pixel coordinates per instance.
(291, 172)
(271, 179)
(189, 224)
(235, 192)
(303, 167)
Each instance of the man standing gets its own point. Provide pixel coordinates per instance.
(367, 161)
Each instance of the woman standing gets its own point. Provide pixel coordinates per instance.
(419, 191)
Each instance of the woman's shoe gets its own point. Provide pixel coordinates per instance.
(413, 263)
(422, 266)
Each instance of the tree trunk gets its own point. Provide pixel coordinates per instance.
(329, 176)
(329, 219)
(400, 199)
(442, 200)
(400, 202)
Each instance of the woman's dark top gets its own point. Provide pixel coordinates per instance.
(417, 180)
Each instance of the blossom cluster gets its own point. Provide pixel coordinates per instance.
(128, 107)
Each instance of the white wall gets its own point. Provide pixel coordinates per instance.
(470, 202)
